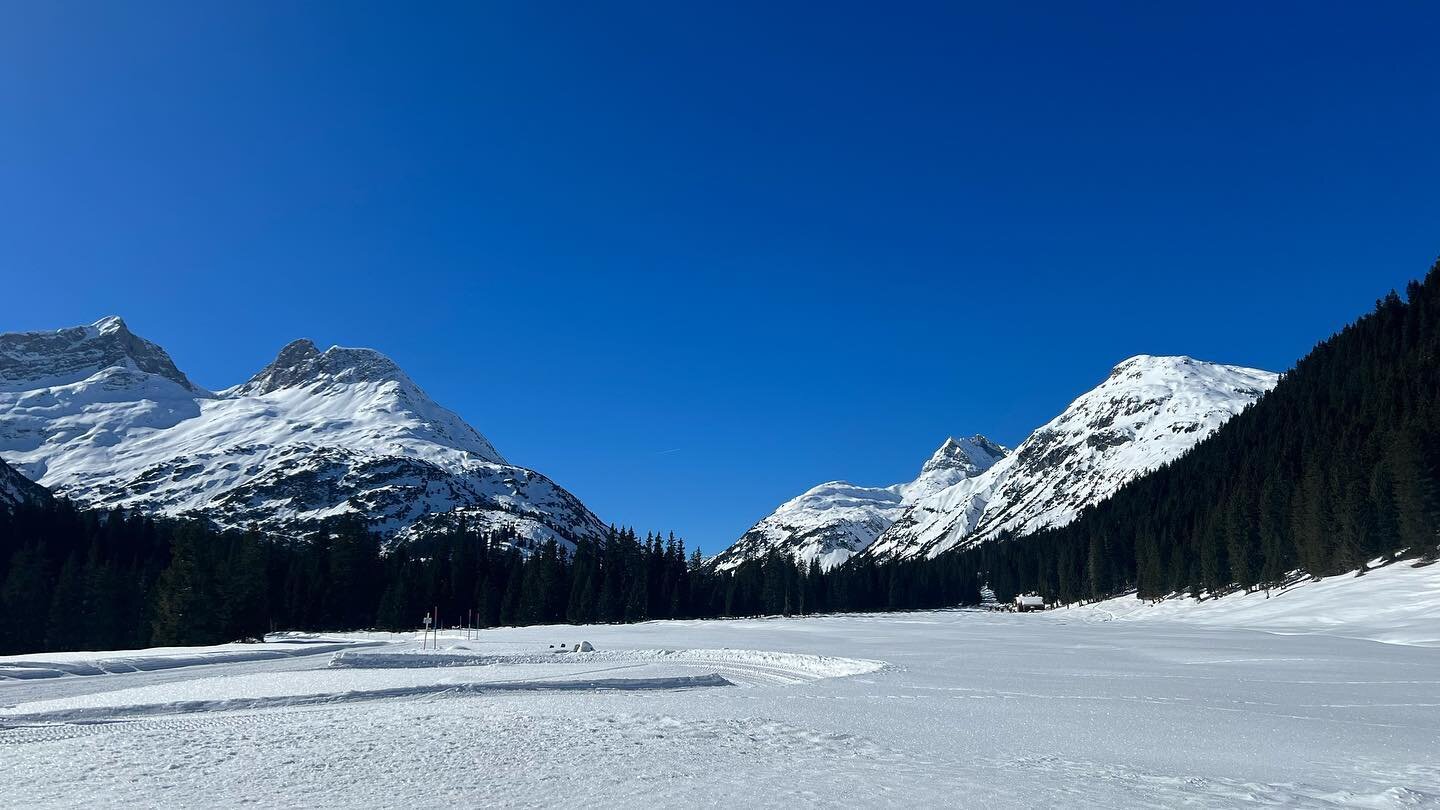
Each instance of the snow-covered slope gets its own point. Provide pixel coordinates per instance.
(17, 489)
(1149, 411)
(105, 418)
(1397, 603)
(836, 519)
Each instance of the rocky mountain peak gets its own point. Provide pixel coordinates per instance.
(110, 324)
(70, 355)
(301, 365)
(971, 455)
(296, 353)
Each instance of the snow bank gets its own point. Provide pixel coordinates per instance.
(59, 665)
(1397, 604)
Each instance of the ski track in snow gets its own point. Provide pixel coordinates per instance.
(745, 665)
(1233, 702)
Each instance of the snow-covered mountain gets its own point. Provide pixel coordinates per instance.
(16, 489)
(836, 519)
(105, 418)
(1149, 411)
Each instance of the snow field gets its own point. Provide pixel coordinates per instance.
(1227, 703)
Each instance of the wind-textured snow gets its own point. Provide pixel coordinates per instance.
(106, 419)
(837, 519)
(1148, 412)
(1236, 701)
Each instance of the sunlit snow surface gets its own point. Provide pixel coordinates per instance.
(1243, 700)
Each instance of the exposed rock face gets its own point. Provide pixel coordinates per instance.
(71, 355)
(16, 489)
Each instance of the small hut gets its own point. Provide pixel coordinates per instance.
(1029, 601)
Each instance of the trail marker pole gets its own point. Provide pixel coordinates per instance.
(426, 633)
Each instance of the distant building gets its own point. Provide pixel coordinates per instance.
(1029, 601)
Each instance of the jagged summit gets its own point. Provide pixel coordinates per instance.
(974, 454)
(71, 355)
(110, 323)
(301, 364)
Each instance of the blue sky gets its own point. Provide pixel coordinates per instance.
(691, 259)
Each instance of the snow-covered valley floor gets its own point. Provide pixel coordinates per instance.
(1113, 705)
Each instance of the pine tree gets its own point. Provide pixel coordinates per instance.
(24, 602)
(182, 611)
(69, 607)
(1414, 494)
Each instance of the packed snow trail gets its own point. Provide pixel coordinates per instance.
(744, 665)
(116, 713)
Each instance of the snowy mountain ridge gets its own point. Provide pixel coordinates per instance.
(105, 418)
(1149, 411)
(837, 519)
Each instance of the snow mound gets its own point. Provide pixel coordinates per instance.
(59, 665)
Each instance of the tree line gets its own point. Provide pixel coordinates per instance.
(84, 580)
